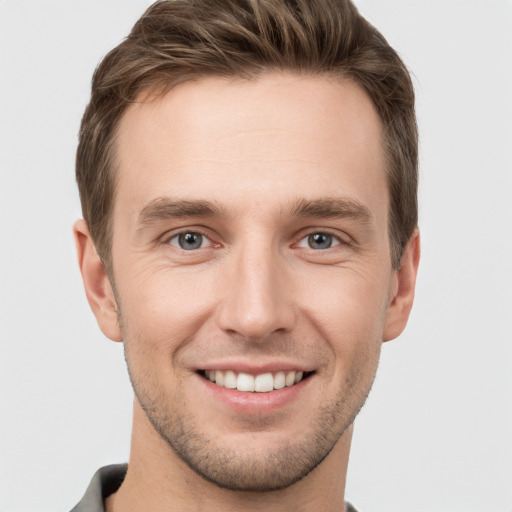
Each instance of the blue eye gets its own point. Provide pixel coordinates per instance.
(188, 241)
(319, 241)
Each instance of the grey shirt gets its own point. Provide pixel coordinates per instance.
(106, 481)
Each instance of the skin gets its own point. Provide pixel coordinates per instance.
(278, 159)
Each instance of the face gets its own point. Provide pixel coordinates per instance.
(252, 270)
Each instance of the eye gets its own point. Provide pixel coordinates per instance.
(319, 241)
(189, 241)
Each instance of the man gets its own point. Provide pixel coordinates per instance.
(248, 174)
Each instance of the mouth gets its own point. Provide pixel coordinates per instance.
(261, 383)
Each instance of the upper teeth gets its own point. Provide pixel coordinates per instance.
(259, 383)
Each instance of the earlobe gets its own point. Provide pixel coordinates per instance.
(98, 289)
(403, 289)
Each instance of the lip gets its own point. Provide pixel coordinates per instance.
(256, 369)
(254, 403)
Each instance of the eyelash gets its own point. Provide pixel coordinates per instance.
(189, 232)
(336, 240)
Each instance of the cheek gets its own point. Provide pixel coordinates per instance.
(165, 306)
(348, 300)
(348, 309)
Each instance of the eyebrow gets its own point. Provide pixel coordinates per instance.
(332, 208)
(326, 208)
(164, 208)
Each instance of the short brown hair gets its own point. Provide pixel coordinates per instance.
(181, 40)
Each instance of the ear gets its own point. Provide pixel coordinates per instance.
(402, 293)
(98, 289)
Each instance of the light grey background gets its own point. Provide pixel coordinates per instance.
(436, 431)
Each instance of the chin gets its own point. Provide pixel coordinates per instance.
(258, 460)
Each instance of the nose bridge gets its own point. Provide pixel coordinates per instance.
(257, 300)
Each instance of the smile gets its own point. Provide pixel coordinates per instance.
(262, 383)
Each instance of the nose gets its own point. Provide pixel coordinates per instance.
(257, 300)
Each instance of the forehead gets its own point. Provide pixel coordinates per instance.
(276, 138)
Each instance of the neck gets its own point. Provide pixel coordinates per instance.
(159, 481)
